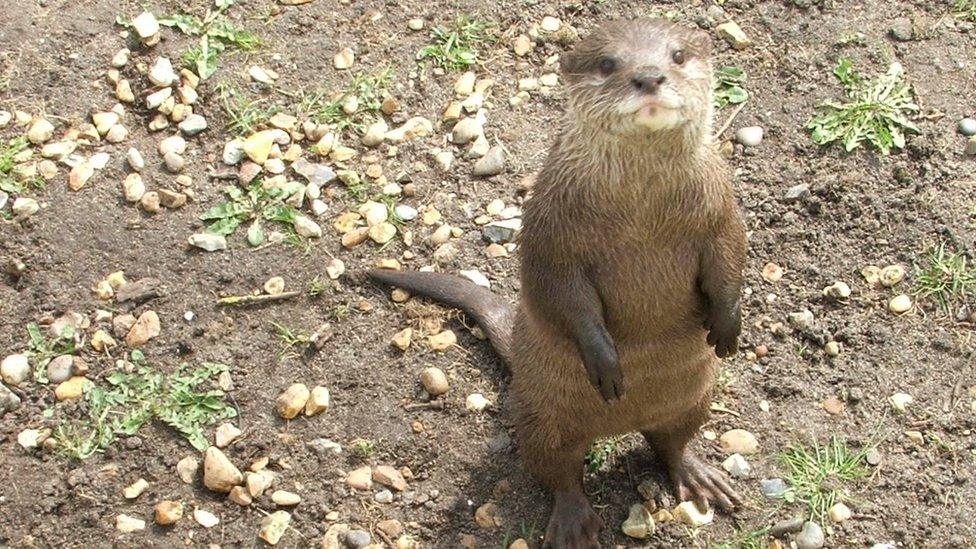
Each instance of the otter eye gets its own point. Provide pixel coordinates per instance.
(608, 65)
(678, 56)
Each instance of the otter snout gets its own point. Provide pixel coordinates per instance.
(648, 81)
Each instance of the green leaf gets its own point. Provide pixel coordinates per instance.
(225, 226)
(255, 234)
(280, 212)
(223, 211)
(188, 24)
(37, 341)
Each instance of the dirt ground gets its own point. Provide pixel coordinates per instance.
(863, 209)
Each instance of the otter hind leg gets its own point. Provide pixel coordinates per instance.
(691, 478)
(573, 523)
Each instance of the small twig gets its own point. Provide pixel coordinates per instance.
(716, 407)
(433, 405)
(729, 121)
(385, 537)
(241, 300)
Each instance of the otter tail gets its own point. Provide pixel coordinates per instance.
(492, 313)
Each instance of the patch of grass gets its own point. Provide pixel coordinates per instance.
(254, 204)
(729, 87)
(245, 115)
(43, 350)
(14, 152)
(133, 399)
(749, 539)
(529, 532)
(362, 448)
(456, 48)
(290, 339)
(877, 111)
(316, 287)
(946, 277)
(819, 476)
(342, 310)
(965, 9)
(325, 107)
(601, 453)
(216, 33)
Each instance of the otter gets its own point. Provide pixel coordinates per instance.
(632, 253)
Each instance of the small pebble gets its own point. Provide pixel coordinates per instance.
(383, 496)
(788, 526)
(900, 304)
(476, 402)
(434, 381)
(292, 401)
(15, 369)
(739, 441)
(810, 537)
(639, 523)
(750, 136)
(839, 512)
(900, 401)
(773, 488)
(967, 126)
(205, 518)
(737, 466)
(127, 524)
(688, 513)
(357, 539)
(168, 512)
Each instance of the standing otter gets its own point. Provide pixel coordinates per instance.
(632, 254)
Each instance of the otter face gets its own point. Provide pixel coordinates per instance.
(641, 76)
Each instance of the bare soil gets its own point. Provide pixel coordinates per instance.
(863, 210)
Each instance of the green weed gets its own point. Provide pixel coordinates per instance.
(601, 453)
(819, 476)
(290, 339)
(245, 115)
(749, 539)
(729, 87)
(362, 448)
(316, 287)
(325, 107)
(254, 204)
(13, 153)
(946, 277)
(43, 350)
(965, 9)
(456, 48)
(878, 112)
(132, 400)
(216, 33)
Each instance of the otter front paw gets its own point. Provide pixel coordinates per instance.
(723, 327)
(603, 369)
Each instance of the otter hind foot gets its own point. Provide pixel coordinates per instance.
(696, 481)
(573, 523)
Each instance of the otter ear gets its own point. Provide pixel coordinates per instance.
(700, 42)
(569, 63)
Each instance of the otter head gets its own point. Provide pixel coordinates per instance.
(640, 77)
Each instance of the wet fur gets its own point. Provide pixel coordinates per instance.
(647, 220)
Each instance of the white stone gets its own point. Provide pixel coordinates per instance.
(208, 241)
(476, 402)
(750, 136)
(161, 73)
(688, 513)
(15, 369)
(146, 25)
(307, 228)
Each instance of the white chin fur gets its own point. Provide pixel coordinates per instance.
(657, 118)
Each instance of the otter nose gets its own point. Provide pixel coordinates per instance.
(648, 82)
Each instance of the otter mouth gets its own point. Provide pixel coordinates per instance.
(657, 113)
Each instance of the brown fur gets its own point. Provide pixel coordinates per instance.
(633, 234)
